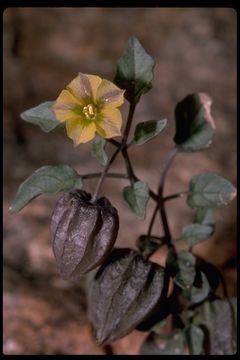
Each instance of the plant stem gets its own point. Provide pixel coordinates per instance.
(174, 196)
(160, 204)
(129, 168)
(129, 123)
(109, 175)
(119, 148)
(114, 142)
(132, 176)
(105, 170)
(152, 220)
(166, 165)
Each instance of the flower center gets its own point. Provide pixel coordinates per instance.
(90, 111)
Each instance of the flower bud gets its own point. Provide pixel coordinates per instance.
(83, 233)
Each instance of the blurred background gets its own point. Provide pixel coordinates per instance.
(43, 50)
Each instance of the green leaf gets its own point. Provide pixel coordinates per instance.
(181, 266)
(136, 197)
(196, 294)
(212, 273)
(210, 190)
(147, 245)
(157, 328)
(217, 317)
(147, 130)
(194, 123)
(98, 151)
(43, 116)
(164, 344)
(204, 216)
(195, 337)
(46, 180)
(134, 71)
(195, 233)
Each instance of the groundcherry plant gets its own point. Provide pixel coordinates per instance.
(127, 290)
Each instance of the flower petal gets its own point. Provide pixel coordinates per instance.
(80, 132)
(64, 107)
(110, 94)
(109, 125)
(84, 86)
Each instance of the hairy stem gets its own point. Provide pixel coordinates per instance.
(114, 142)
(109, 175)
(129, 168)
(160, 204)
(105, 170)
(129, 123)
(152, 220)
(166, 165)
(132, 176)
(120, 146)
(174, 196)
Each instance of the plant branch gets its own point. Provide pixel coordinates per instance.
(109, 175)
(119, 148)
(129, 123)
(105, 170)
(132, 176)
(166, 165)
(160, 204)
(152, 220)
(114, 142)
(174, 196)
(129, 168)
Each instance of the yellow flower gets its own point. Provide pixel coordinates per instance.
(89, 105)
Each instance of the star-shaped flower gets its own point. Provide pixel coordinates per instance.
(89, 105)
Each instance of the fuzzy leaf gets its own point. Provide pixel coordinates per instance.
(98, 151)
(204, 216)
(210, 190)
(195, 337)
(164, 344)
(196, 294)
(195, 233)
(218, 318)
(212, 273)
(43, 116)
(194, 123)
(45, 180)
(123, 293)
(134, 71)
(147, 130)
(136, 197)
(149, 244)
(181, 266)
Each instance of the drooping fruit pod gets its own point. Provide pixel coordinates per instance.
(124, 292)
(83, 233)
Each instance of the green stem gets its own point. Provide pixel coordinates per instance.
(160, 204)
(105, 170)
(174, 196)
(132, 176)
(129, 168)
(114, 142)
(129, 123)
(152, 220)
(109, 175)
(119, 148)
